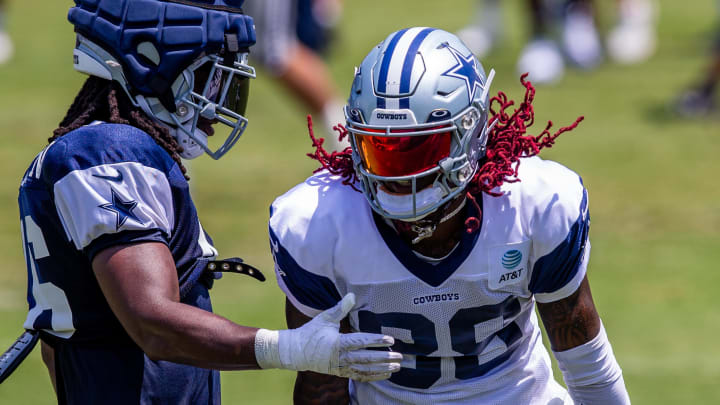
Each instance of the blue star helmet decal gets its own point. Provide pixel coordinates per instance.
(467, 70)
(122, 209)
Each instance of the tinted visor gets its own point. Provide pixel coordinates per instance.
(237, 85)
(394, 156)
(237, 96)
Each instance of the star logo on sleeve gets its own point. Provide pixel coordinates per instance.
(122, 209)
(467, 70)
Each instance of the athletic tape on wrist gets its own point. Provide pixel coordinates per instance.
(267, 351)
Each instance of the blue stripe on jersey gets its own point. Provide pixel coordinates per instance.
(310, 289)
(44, 320)
(554, 270)
(407, 69)
(433, 275)
(385, 66)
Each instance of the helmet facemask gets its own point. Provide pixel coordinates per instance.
(211, 90)
(431, 163)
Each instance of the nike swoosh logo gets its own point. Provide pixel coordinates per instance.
(117, 178)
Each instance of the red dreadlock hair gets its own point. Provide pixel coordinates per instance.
(507, 143)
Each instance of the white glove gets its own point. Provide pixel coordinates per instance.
(319, 346)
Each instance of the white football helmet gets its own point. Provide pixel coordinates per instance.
(417, 116)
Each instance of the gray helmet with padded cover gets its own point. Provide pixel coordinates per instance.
(178, 60)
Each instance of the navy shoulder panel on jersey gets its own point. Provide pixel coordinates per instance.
(554, 270)
(123, 238)
(309, 289)
(99, 144)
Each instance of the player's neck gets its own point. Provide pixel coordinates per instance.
(445, 236)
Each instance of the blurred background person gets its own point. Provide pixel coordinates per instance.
(293, 34)
(543, 56)
(483, 32)
(699, 99)
(6, 46)
(565, 31)
(633, 37)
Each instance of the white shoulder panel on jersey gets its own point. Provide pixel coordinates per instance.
(555, 195)
(111, 198)
(308, 219)
(307, 223)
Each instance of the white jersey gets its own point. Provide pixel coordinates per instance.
(466, 326)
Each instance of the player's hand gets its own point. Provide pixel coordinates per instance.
(319, 346)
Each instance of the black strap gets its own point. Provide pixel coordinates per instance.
(207, 271)
(234, 265)
(232, 44)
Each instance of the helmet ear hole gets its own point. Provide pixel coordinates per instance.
(167, 99)
(149, 53)
(356, 115)
(439, 115)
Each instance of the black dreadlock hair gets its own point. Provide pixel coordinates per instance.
(105, 100)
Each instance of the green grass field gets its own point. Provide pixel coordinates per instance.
(654, 203)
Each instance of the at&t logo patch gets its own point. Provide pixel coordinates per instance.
(508, 264)
(511, 259)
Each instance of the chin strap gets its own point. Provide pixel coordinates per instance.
(425, 228)
(423, 232)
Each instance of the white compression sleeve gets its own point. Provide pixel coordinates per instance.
(592, 374)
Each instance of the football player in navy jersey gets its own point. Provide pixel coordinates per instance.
(119, 266)
(449, 230)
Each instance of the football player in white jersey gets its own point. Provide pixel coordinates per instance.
(448, 230)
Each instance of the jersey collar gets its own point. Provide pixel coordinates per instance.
(432, 274)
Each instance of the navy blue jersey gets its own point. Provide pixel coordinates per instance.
(99, 186)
